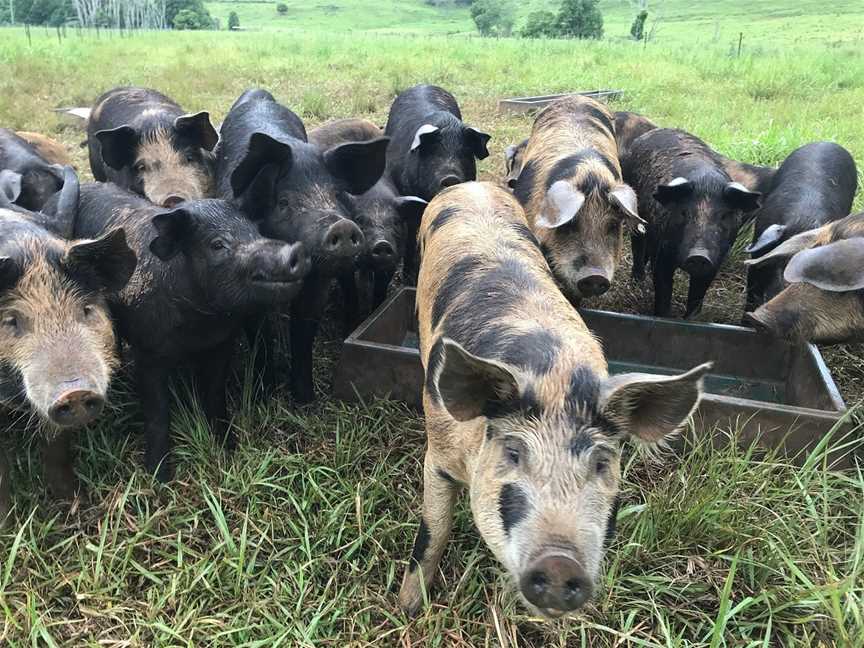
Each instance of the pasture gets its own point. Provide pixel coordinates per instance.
(298, 538)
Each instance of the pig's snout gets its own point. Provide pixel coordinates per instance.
(449, 181)
(383, 254)
(76, 407)
(556, 584)
(288, 263)
(343, 239)
(171, 202)
(698, 263)
(593, 283)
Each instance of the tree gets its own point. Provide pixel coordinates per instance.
(540, 24)
(580, 19)
(493, 17)
(637, 29)
(197, 17)
(282, 8)
(233, 21)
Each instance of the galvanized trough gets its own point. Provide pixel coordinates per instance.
(776, 393)
(530, 104)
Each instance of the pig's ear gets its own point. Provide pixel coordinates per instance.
(789, 247)
(10, 272)
(103, 264)
(836, 267)
(469, 386)
(259, 198)
(623, 198)
(767, 239)
(477, 141)
(359, 165)
(410, 209)
(561, 205)
(198, 128)
(426, 134)
(119, 146)
(649, 407)
(64, 210)
(675, 190)
(739, 197)
(510, 157)
(174, 227)
(10, 186)
(263, 150)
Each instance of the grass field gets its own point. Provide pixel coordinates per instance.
(298, 538)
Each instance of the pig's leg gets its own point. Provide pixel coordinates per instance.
(155, 396)
(664, 276)
(439, 498)
(57, 466)
(411, 260)
(306, 313)
(381, 282)
(696, 294)
(261, 337)
(757, 279)
(5, 489)
(351, 298)
(639, 244)
(213, 368)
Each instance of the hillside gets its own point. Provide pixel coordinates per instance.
(763, 22)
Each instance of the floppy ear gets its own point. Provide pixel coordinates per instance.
(358, 164)
(262, 150)
(468, 384)
(64, 210)
(10, 186)
(767, 239)
(10, 272)
(650, 407)
(510, 157)
(198, 128)
(739, 197)
(624, 199)
(477, 140)
(104, 264)
(410, 209)
(561, 205)
(675, 190)
(174, 227)
(836, 267)
(259, 197)
(119, 146)
(789, 247)
(424, 135)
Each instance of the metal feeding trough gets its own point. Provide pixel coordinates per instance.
(781, 394)
(530, 104)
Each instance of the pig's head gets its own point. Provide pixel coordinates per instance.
(227, 259)
(513, 159)
(823, 302)
(297, 192)
(544, 485)
(581, 227)
(442, 154)
(388, 223)
(57, 345)
(709, 209)
(167, 164)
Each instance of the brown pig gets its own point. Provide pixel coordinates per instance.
(51, 150)
(520, 408)
(823, 302)
(576, 202)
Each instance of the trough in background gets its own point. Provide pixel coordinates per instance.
(530, 104)
(780, 394)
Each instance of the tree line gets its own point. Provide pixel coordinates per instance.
(118, 14)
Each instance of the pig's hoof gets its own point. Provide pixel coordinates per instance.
(160, 468)
(411, 597)
(303, 395)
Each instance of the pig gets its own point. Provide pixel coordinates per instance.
(513, 161)
(823, 302)
(52, 151)
(142, 140)
(814, 186)
(57, 345)
(693, 208)
(57, 215)
(386, 219)
(203, 268)
(430, 147)
(628, 127)
(40, 179)
(519, 406)
(572, 190)
(296, 192)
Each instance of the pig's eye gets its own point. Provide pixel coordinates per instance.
(612, 228)
(190, 157)
(140, 167)
(10, 323)
(601, 465)
(89, 311)
(218, 245)
(283, 203)
(513, 453)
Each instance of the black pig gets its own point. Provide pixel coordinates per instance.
(693, 208)
(39, 179)
(815, 185)
(203, 268)
(296, 192)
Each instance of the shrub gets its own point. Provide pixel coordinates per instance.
(282, 8)
(493, 17)
(637, 29)
(580, 19)
(233, 20)
(188, 14)
(540, 24)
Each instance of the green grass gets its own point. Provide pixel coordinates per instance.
(297, 538)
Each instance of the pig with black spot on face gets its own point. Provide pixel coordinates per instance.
(141, 140)
(57, 345)
(520, 407)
